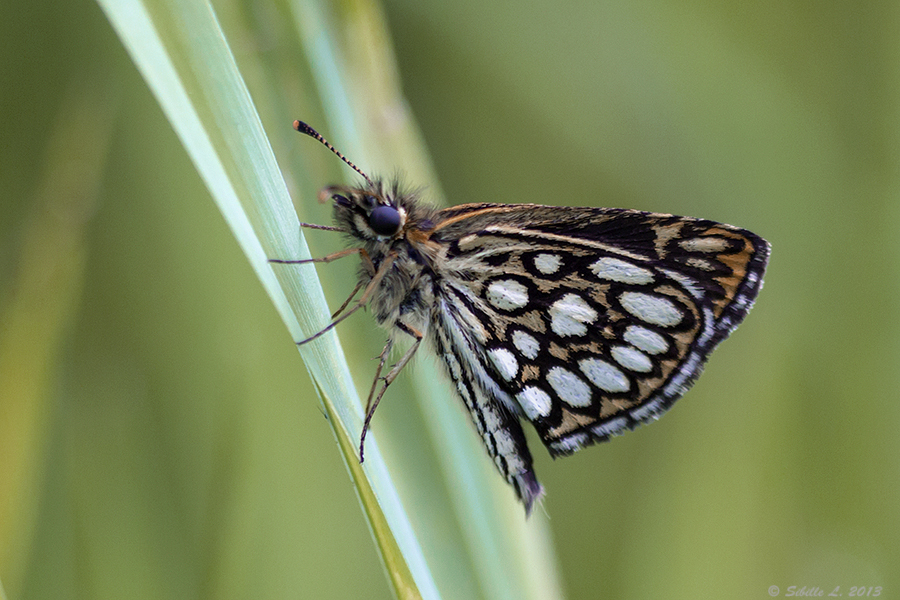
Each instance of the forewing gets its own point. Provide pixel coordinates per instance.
(594, 320)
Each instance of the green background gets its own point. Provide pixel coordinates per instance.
(173, 444)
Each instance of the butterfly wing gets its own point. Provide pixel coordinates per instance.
(589, 321)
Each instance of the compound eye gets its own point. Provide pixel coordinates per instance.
(385, 220)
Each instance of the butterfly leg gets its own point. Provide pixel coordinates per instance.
(370, 268)
(349, 299)
(370, 288)
(388, 379)
(323, 227)
(322, 259)
(383, 359)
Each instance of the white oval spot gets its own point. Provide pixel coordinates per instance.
(700, 263)
(569, 387)
(506, 363)
(705, 244)
(604, 375)
(631, 359)
(655, 310)
(547, 263)
(569, 314)
(646, 340)
(507, 294)
(535, 402)
(615, 269)
(526, 344)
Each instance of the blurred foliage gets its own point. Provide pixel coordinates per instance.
(160, 437)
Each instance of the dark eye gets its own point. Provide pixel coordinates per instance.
(384, 220)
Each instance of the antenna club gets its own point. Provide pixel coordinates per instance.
(304, 128)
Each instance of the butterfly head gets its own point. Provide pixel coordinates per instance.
(367, 213)
(373, 212)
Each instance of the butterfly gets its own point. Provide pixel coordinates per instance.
(584, 322)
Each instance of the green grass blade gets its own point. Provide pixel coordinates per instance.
(182, 54)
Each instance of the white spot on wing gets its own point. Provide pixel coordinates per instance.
(507, 294)
(705, 244)
(569, 387)
(646, 340)
(505, 362)
(547, 263)
(631, 359)
(569, 314)
(700, 263)
(655, 310)
(615, 269)
(535, 402)
(604, 375)
(526, 344)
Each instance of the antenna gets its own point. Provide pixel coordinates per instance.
(304, 128)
